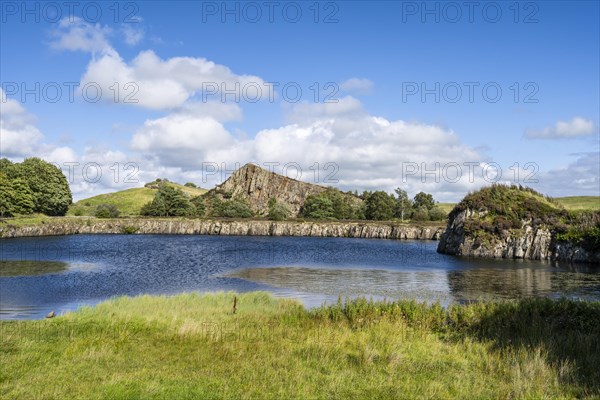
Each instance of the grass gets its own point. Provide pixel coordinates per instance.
(194, 346)
(570, 203)
(580, 202)
(129, 202)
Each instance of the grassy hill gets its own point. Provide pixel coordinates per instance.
(129, 201)
(570, 203)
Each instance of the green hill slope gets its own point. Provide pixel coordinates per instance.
(570, 203)
(129, 201)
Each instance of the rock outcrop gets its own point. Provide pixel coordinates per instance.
(258, 186)
(530, 242)
(368, 230)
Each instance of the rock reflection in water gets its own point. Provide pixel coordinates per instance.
(493, 282)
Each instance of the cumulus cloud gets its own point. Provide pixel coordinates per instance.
(162, 84)
(353, 149)
(132, 34)
(75, 34)
(581, 177)
(357, 86)
(575, 128)
(18, 134)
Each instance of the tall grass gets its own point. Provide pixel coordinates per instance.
(194, 346)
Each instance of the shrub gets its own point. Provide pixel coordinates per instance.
(106, 211)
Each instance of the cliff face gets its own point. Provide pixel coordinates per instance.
(534, 243)
(258, 185)
(211, 227)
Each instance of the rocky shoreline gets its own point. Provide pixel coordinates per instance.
(366, 230)
(530, 242)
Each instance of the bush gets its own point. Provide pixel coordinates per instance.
(278, 211)
(437, 214)
(107, 211)
(168, 202)
(190, 184)
(421, 214)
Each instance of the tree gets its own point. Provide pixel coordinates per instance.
(190, 184)
(403, 203)
(421, 214)
(380, 206)
(423, 199)
(107, 211)
(278, 211)
(168, 202)
(51, 192)
(437, 214)
(318, 206)
(22, 197)
(6, 195)
(235, 208)
(198, 207)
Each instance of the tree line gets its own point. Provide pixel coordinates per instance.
(33, 186)
(331, 204)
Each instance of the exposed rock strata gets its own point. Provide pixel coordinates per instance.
(534, 243)
(224, 227)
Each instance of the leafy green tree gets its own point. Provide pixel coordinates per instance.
(278, 211)
(421, 214)
(190, 184)
(51, 192)
(403, 204)
(6, 195)
(235, 208)
(437, 214)
(107, 211)
(168, 202)
(318, 206)
(423, 199)
(22, 197)
(198, 207)
(380, 206)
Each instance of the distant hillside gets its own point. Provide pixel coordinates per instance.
(570, 203)
(257, 186)
(129, 201)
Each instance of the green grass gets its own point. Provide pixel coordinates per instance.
(580, 202)
(570, 203)
(129, 201)
(193, 346)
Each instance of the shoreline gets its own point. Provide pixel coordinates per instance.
(60, 226)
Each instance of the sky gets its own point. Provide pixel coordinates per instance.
(441, 97)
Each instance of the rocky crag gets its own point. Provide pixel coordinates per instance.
(257, 186)
(485, 231)
(367, 230)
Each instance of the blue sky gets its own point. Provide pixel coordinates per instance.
(366, 55)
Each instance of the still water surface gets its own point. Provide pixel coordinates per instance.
(66, 272)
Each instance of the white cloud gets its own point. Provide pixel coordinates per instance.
(367, 151)
(579, 178)
(132, 35)
(18, 134)
(74, 34)
(163, 84)
(357, 86)
(576, 127)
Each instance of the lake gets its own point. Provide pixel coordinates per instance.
(62, 273)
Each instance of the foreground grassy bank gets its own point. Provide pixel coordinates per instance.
(194, 346)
